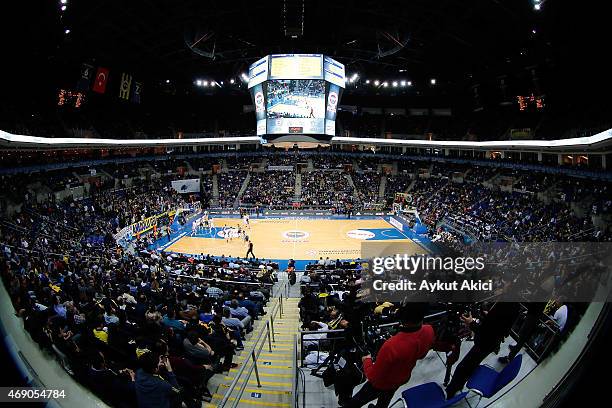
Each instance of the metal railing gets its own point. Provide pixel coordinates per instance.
(299, 378)
(542, 339)
(338, 334)
(250, 364)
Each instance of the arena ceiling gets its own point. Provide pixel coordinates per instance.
(461, 43)
(182, 40)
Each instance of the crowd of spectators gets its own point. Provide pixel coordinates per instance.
(133, 324)
(326, 188)
(367, 185)
(230, 183)
(272, 189)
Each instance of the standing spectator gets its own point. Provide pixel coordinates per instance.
(396, 358)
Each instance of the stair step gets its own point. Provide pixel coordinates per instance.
(267, 383)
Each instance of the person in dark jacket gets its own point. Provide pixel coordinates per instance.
(117, 389)
(489, 334)
(153, 390)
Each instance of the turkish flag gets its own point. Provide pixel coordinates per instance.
(100, 80)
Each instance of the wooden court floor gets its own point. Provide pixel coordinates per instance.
(303, 239)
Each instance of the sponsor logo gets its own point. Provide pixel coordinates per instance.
(295, 234)
(360, 234)
(396, 224)
(332, 101)
(259, 102)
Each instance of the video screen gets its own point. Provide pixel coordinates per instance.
(290, 98)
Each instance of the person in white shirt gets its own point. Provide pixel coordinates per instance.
(312, 340)
(560, 317)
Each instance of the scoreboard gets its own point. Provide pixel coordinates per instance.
(296, 93)
(296, 66)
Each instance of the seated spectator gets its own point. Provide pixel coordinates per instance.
(118, 389)
(156, 385)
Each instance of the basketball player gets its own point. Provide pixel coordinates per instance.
(246, 220)
(194, 227)
(211, 226)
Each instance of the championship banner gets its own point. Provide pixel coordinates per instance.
(137, 91)
(186, 186)
(84, 81)
(126, 84)
(101, 80)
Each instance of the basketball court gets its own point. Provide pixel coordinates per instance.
(299, 239)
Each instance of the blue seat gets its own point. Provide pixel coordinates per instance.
(487, 382)
(428, 395)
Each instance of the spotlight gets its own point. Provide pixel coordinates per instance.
(232, 81)
(354, 77)
(537, 6)
(367, 81)
(67, 31)
(221, 82)
(199, 82)
(409, 83)
(63, 8)
(385, 84)
(64, 1)
(394, 84)
(204, 83)
(167, 81)
(432, 81)
(403, 83)
(377, 82)
(244, 77)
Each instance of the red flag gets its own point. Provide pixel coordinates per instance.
(101, 80)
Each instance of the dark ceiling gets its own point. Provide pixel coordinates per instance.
(457, 42)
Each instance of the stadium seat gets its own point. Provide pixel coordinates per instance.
(428, 395)
(486, 381)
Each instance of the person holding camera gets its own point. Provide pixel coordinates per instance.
(489, 333)
(153, 390)
(396, 358)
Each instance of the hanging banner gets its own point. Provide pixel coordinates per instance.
(186, 186)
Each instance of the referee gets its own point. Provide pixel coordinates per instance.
(250, 250)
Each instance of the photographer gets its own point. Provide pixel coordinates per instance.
(489, 334)
(396, 358)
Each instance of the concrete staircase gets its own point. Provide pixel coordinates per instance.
(243, 188)
(411, 186)
(382, 188)
(215, 190)
(352, 184)
(298, 187)
(276, 368)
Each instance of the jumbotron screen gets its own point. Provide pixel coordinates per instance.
(296, 93)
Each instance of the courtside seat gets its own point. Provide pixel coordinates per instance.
(428, 395)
